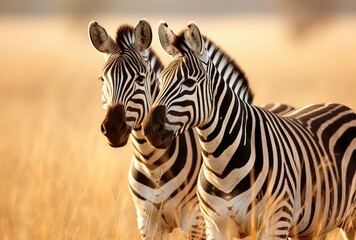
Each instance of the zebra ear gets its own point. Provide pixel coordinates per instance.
(100, 40)
(166, 37)
(143, 35)
(193, 36)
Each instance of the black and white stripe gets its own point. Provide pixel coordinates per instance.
(162, 181)
(274, 176)
(235, 77)
(158, 178)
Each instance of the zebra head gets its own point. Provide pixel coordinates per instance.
(126, 78)
(185, 99)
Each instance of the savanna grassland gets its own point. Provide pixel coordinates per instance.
(58, 177)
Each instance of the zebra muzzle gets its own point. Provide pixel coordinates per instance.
(114, 126)
(154, 128)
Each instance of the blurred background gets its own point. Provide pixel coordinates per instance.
(59, 179)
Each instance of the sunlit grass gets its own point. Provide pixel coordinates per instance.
(59, 180)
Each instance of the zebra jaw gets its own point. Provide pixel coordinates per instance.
(160, 141)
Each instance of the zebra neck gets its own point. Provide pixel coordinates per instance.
(227, 128)
(145, 153)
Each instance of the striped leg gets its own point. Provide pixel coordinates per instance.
(193, 224)
(278, 228)
(216, 226)
(275, 223)
(149, 222)
(220, 227)
(351, 232)
(313, 238)
(349, 227)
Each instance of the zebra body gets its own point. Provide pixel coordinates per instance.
(162, 182)
(278, 108)
(274, 176)
(283, 179)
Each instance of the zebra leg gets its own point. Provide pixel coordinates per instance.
(313, 238)
(216, 224)
(149, 222)
(274, 232)
(192, 222)
(275, 223)
(349, 227)
(351, 233)
(215, 230)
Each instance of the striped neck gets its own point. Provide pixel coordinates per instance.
(228, 123)
(232, 91)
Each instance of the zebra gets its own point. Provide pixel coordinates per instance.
(162, 182)
(270, 176)
(127, 98)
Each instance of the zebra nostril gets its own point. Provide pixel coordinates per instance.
(158, 128)
(103, 130)
(121, 126)
(154, 123)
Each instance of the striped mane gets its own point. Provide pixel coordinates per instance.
(124, 36)
(227, 66)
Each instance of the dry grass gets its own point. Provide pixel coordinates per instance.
(58, 177)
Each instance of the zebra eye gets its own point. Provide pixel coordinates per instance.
(101, 79)
(189, 82)
(140, 79)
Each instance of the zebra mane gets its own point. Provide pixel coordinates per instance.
(228, 67)
(124, 36)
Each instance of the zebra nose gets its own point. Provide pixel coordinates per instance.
(109, 128)
(114, 122)
(155, 120)
(158, 128)
(103, 129)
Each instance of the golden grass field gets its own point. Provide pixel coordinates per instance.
(58, 177)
